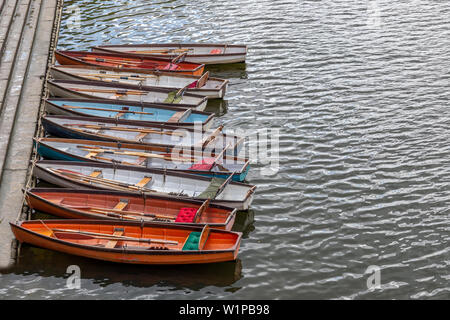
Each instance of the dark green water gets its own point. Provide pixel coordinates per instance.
(360, 93)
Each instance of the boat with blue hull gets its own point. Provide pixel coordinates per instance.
(146, 156)
(146, 113)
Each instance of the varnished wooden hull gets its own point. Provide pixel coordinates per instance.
(34, 233)
(73, 204)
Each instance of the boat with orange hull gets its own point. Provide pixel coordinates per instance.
(131, 63)
(131, 242)
(103, 204)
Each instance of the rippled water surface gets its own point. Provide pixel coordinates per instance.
(359, 91)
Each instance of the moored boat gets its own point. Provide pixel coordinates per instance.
(131, 242)
(124, 61)
(213, 53)
(104, 204)
(127, 131)
(116, 91)
(102, 176)
(146, 156)
(212, 88)
(145, 113)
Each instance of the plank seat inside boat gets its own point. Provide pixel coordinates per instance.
(179, 116)
(144, 182)
(96, 174)
(113, 243)
(140, 136)
(121, 205)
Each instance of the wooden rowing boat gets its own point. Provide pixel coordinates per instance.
(116, 91)
(199, 53)
(127, 131)
(143, 113)
(102, 176)
(103, 204)
(212, 88)
(146, 156)
(131, 242)
(134, 64)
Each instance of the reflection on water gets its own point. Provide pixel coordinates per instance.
(217, 106)
(230, 71)
(50, 264)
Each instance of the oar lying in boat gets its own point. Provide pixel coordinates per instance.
(123, 186)
(115, 237)
(110, 75)
(119, 91)
(121, 213)
(111, 110)
(98, 127)
(136, 154)
(163, 50)
(116, 61)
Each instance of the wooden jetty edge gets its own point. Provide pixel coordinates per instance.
(28, 37)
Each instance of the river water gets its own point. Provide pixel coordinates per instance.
(359, 92)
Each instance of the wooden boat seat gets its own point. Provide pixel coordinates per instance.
(91, 155)
(141, 136)
(96, 173)
(180, 116)
(121, 205)
(143, 183)
(141, 160)
(113, 243)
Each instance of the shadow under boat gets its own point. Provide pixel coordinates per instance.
(228, 71)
